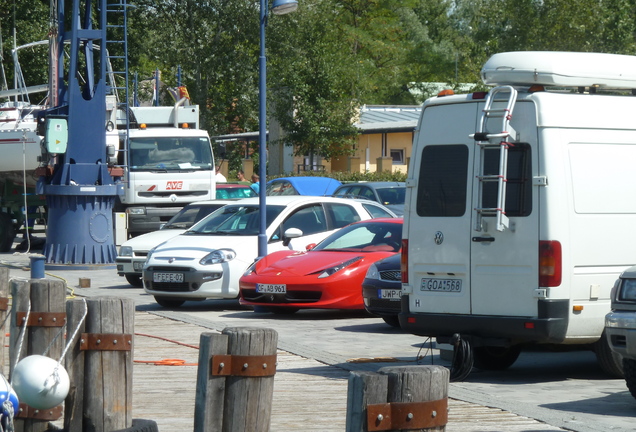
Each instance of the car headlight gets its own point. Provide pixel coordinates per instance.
(126, 251)
(373, 272)
(136, 210)
(218, 256)
(331, 270)
(252, 268)
(627, 290)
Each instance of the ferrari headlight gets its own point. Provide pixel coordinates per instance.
(373, 272)
(331, 270)
(218, 256)
(252, 268)
(126, 251)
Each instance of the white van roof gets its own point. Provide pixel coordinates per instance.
(563, 69)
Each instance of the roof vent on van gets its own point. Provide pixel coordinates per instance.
(562, 69)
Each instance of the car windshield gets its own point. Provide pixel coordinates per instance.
(366, 237)
(391, 196)
(170, 154)
(234, 192)
(190, 215)
(235, 220)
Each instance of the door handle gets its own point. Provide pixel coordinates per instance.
(483, 239)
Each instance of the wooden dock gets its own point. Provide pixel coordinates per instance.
(308, 395)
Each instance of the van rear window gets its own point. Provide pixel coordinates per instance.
(442, 183)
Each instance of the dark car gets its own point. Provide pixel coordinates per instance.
(234, 191)
(389, 194)
(382, 289)
(311, 185)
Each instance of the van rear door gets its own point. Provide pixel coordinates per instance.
(504, 264)
(457, 265)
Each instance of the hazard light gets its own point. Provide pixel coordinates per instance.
(185, 126)
(446, 92)
(143, 126)
(404, 261)
(550, 263)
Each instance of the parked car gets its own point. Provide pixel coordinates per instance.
(382, 289)
(312, 185)
(234, 191)
(133, 253)
(207, 260)
(390, 194)
(327, 276)
(620, 325)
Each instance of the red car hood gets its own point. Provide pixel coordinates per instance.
(303, 263)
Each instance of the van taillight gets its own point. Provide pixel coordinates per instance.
(550, 263)
(404, 261)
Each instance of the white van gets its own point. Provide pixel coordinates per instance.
(521, 206)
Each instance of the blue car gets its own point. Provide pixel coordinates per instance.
(316, 186)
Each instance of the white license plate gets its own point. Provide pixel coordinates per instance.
(167, 277)
(389, 294)
(447, 285)
(271, 288)
(138, 265)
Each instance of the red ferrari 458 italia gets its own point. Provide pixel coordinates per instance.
(326, 276)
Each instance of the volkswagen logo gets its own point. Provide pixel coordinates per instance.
(439, 238)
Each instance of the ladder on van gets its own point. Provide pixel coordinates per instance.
(500, 140)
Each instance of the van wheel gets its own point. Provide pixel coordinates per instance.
(134, 280)
(495, 358)
(392, 320)
(629, 369)
(169, 302)
(7, 232)
(610, 362)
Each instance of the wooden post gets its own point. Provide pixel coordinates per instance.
(238, 386)
(364, 388)
(44, 301)
(415, 398)
(100, 365)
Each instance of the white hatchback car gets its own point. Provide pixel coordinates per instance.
(208, 260)
(133, 253)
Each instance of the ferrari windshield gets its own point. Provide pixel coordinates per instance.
(365, 237)
(235, 220)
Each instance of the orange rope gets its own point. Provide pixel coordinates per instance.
(167, 362)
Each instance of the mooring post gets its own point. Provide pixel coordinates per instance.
(37, 322)
(415, 398)
(100, 364)
(235, 380)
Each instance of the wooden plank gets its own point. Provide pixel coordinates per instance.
(74, 363)
(210, 390)
(364, 388)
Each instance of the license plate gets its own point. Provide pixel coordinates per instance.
(138, 265)
(271, 288)
(389, 294)
(167, 277)
(447, 285)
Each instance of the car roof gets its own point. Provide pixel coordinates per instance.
(376, 184)
(301, 199)
(311, 185)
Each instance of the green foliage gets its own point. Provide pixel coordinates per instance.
(350, 176)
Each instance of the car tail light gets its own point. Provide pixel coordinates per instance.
(404, 261)
(550, 263)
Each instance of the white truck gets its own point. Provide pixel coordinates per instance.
(520, 212)
(169, 164)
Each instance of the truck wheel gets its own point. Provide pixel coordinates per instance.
(134, 280)
(629, 369)
(495, 358)
(7, 232)
(609, 361)
(169, 302)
